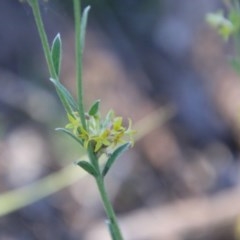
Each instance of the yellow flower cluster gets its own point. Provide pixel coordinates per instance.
(104, 134)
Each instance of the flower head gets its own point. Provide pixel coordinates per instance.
(105, 134)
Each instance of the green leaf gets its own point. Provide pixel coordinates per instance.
(87, 167)
(64, 130)
(65, 97)
(83, 27)
(94, 108)
(56, 53)
(113, 157)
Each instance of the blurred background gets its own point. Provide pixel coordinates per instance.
(154, 61)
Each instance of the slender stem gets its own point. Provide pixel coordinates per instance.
(77, 16)
(93, 159)
(43, 36)
(113, 224)
(112, 220)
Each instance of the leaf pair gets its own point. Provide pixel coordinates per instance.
(88, 167)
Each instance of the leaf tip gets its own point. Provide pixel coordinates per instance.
(87, 8)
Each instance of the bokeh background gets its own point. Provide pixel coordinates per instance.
(154, 61)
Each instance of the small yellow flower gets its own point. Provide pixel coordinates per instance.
(102, 140)
(117, 124)
(74, 122)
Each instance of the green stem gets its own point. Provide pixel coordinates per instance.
(112, 220)
(43, 36)
(113, 224)
(79, 50)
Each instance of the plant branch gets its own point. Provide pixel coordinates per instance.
(78, 62)
(43, 36)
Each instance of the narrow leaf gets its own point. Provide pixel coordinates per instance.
(83, 27)
(65, 97)
(69, 134)
(113, 157)
(94, 108)
(87, 167)
(56, 53)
